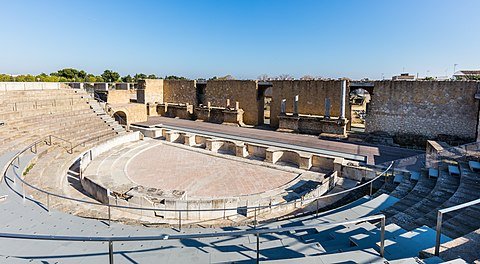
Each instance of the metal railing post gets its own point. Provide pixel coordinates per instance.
(110, 251)
(23, 191)
(109, 213)
(48, 203)
(439, 230)
(371, 189)
(255, 218)
(316, 211)
(258, 248)
(382, 237)
(180, 220)
(224, 211)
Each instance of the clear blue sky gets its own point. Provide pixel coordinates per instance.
(335, 38)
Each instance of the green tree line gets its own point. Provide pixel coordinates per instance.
(74, 75)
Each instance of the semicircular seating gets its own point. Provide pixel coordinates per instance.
(409, 204)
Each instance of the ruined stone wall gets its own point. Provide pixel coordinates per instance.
(245, 92)
(426, 108)
(135, 112)
(311, 99)
(118, 96)
(150, 91)
(179, 91)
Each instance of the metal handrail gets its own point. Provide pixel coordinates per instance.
(254, 231)
(440, 214)
(64, 140)
(88, 140)
(109, 206)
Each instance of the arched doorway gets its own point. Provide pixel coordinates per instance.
(359, 100)
(120, 117)
(264, 99)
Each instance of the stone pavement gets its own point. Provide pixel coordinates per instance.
(200, 175)
(374, 154)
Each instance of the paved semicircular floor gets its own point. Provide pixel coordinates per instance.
(200, 175)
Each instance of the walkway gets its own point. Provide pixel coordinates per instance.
(374, 154)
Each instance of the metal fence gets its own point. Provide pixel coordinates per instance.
(256, 209)
(254, 231)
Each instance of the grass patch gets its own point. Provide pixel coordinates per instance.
(27, 170)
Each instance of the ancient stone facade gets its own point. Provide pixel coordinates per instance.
(179, 92)
(426, 108)
(311, 98)
(245, 92)
(150, 91)
(118, 97)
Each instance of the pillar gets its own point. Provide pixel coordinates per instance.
(283, 107)
(342, 99)
(237, 105)
(295, 105)
(228, 103)
(209, 105)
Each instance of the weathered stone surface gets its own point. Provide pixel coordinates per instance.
(426, 108)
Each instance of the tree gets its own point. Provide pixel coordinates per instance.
(174, 77)
(127, 79)
(152, 76)
(6, 78)
(110, 76)
(285, 77)
(139, 76)
(307, 78)
(263, 77)
(70, 74)
(226, 77)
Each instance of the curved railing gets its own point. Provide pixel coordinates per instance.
(254, 231)
(109, 206)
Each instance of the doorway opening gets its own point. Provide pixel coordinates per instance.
(359, 100)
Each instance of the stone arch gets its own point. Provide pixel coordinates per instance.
(121, 117)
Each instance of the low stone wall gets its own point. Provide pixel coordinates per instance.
(87, 156)
(299, 159)
(220, 115)
(183, 111)
(21, 86)
(314, 125)
(97, 191)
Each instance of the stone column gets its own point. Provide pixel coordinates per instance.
(81, 85)
(209, 105)
(295, 105)
(342, 99)
(327, 108)
(237, 105)
(228, 103)
(128, 86)
(283, 107)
